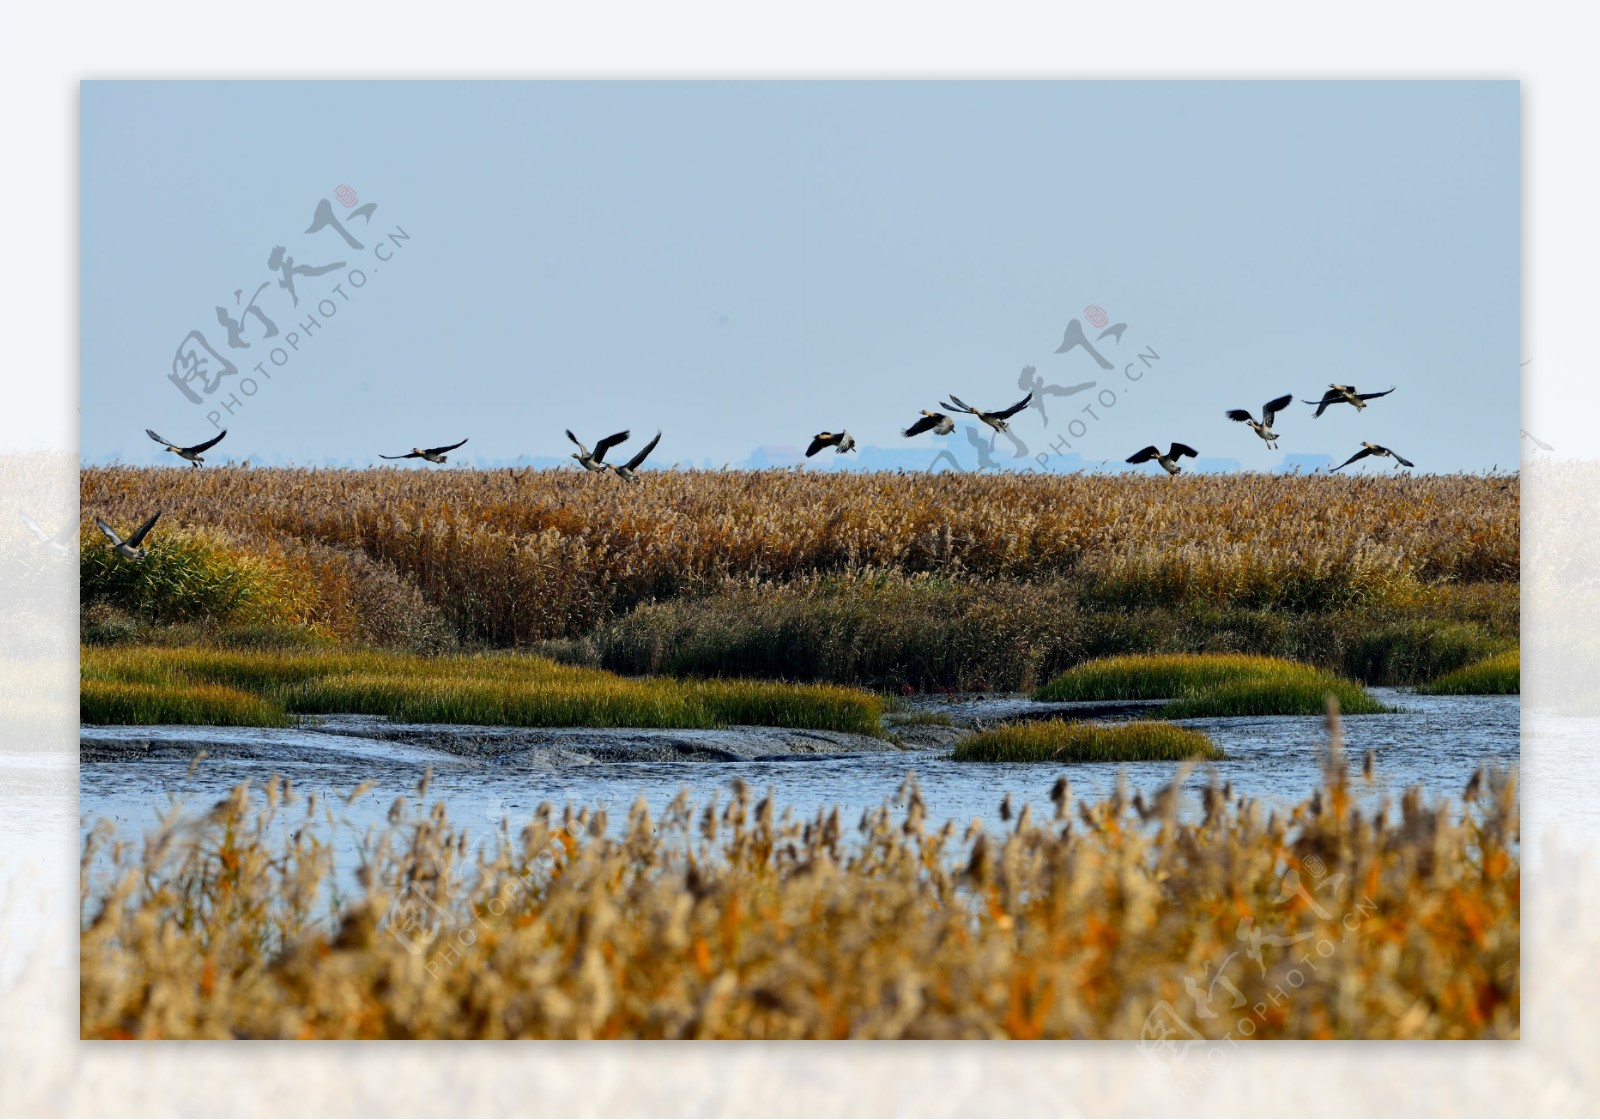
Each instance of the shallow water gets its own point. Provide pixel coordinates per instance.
(131, 774)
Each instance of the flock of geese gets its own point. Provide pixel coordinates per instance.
(939, 423)
(942, 424)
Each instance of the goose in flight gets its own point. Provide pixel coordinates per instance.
(839, 441)
(1344, 394)
(1169, 461)
(57, 543)
(629, 470)
(1268, 411)
(1537, 442)
(1382, 452)
(995, 420)
(432, 454)
(595, 460)
(936, 422)
(129, 547)
(190, 453)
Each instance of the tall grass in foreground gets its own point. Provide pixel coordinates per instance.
(1499, 675)
(150, 684)
(1211, 685)
(738, 920)
(1063, 741)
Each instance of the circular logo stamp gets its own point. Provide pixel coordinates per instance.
(1094, 312)
(347, 195)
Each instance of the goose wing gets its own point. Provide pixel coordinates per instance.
(1362, 454)
(1273, 407)
(1370, 396)
(607, 444)
(111, 534)
(441, 450)
(163, 442)
(1399, 458)
(212, 442)
(1014, 409)
(1332, 396)
(33, 527)
(1145, 455)
(1178, 449)
(633, 463)
(1537, 442)
(582, 450)
(956, 404)
(407, 455)
(1240, 414)
(143, 529)
(819, 441)
(926, 423)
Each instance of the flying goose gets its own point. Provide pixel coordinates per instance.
(1169, 461)
(1268, 411)
(41, 536)
(595, 461)
(936, 422)
(629, 470)
(1537, 442)
(432, 454)
(995, 420)
(130, 547)
(839, 441)
(190, 453)
(1382, 452)
(1344, 394)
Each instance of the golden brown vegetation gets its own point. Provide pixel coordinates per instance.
(1106, 920)
(1058, 740)
(513, 557)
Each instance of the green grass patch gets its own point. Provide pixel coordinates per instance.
(159, 685)
(1500, 675)
(1212, 684)
(1075, 741)
(134, 702)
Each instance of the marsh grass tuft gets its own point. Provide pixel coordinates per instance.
(1500, 675)
(1075, 741)
(157, 685)
(1211, 684)
(135, 702)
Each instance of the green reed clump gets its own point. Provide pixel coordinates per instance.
(1059, 740)
(1500, 675)
(1212, 685)
(132, 702)
(496, 689)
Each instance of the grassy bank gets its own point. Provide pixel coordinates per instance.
(1070, 741)
(148, 684)
(741, 921)
(1497, 676)
(1211, 685)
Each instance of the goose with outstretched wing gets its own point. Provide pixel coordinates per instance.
(431, 454)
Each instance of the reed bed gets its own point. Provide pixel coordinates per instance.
(148, 684)
(1212, 685)
(1125, 918)
(515, 557)
(1060, 740)
(1500, 675)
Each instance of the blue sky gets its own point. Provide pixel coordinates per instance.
(744, 264)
